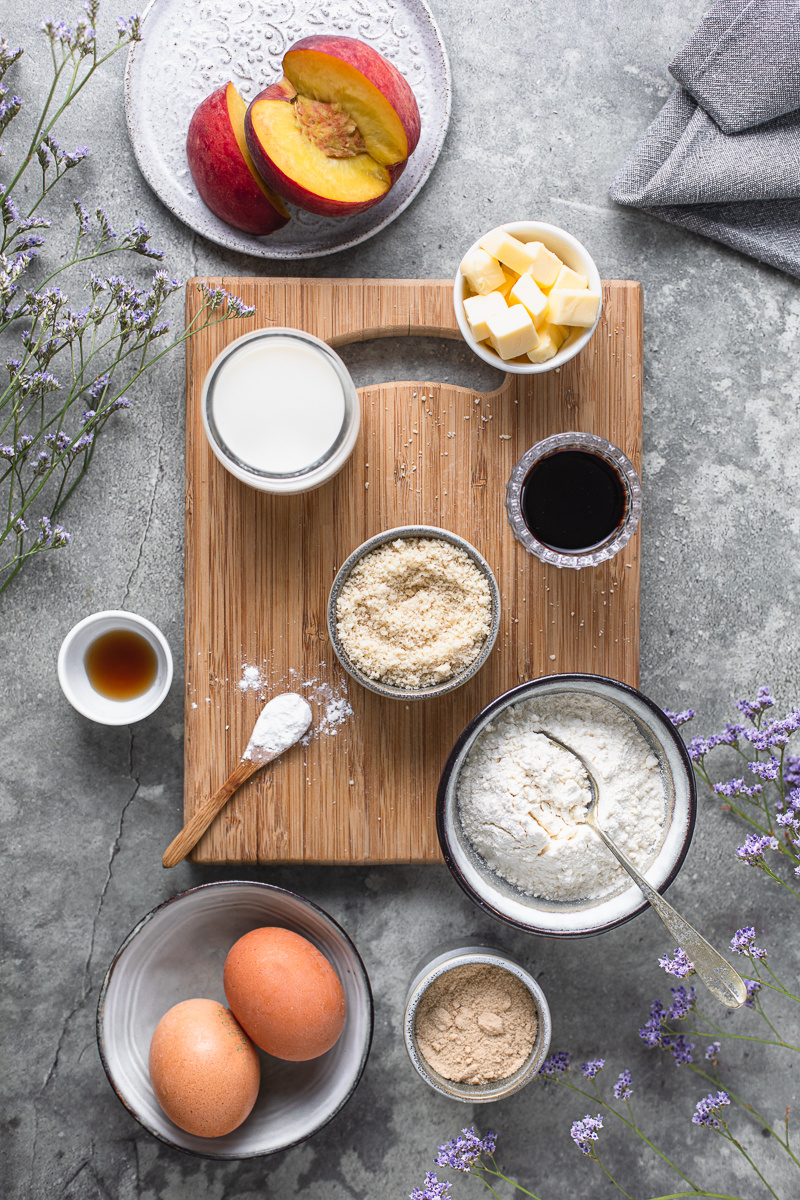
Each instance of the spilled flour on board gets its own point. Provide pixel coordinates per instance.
(329, 702)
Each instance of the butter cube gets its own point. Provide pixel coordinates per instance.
(544, 264)
(573, 307)
(558, 333)
(546, 349)
(510, 278)
(569, 279)
(512, 332)
(526, 291)
(509, 250)
(478, 308)
(482, 272)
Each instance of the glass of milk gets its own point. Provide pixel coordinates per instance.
(280, 410)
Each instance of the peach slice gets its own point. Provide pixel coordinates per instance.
(334, 134)
(223, 170)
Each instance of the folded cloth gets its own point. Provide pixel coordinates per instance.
(723, 156)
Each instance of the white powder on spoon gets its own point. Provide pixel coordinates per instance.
(522, 798)
(282, 722)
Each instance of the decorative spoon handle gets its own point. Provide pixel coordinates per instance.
(717, 974)
(194, 829)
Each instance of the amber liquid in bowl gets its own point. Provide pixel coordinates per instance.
(121, 664)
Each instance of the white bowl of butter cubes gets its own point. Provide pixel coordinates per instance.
(527, 297)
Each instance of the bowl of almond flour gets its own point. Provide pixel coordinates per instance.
(414, 612)
(511, 804)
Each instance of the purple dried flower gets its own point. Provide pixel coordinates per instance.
(584, 1132)
(707, 1108)
(679, 718)
(743, 940)
(753, 987)
(737, 787)
(20, 527)
(623, 1088)
(461, 1152)
(791, 770)
(766, 770)
(752, 852)
(752, 709)
(679, 1048)
(433, 1189)
(682, 1004)
(555, 1064)
(593, 1067)
(711, 1052)
(680, 966)
(651, 1032)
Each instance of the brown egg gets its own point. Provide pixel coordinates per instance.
(204, 1069)
(284, 993)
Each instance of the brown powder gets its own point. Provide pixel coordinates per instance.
(476, 1024)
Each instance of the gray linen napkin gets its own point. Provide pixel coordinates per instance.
(723, 156)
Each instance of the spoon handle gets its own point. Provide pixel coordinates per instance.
(194, 829)
(716, 972)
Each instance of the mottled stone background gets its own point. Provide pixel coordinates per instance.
(548, 99)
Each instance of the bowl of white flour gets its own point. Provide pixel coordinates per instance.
(511, 804)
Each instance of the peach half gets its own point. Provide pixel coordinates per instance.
(223, 170)
(335, 133)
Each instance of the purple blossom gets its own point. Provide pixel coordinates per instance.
(680, 966)
(737, 787)
(461, 1152)
(129, 27)
(679, 1048)
(651, 1032)
(766, 770)
(679, 718)
(682, 1004)
(752, 709)
(593, 1067)
(20, 527)
(752, 987)
(623, 1088)
(775, 733)
(791, 770)
(433, 1189)
(711, 1052)
(752, 852)
(555, 1064)
(707, 1108)
(584, 1132)
(743, 941)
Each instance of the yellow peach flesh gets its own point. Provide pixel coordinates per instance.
(342, 179)
(333, 81)
(236, 113)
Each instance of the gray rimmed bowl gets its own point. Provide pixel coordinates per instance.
(177, 952)
(447, 685)
(554, 918)
(466, 956)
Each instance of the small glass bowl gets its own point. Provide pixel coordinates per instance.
(633, 500)
(316, 473)
(467, 956)
(447, 685)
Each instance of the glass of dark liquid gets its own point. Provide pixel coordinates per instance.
(574, 500)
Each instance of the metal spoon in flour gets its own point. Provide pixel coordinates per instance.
(282, 722)
(724, 983)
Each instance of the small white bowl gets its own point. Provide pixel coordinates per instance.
(574, 255)
(467, 956)
(75, 682)
(177, 952)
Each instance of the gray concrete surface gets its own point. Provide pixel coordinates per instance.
(547, 100)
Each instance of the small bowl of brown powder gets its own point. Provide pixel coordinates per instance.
(477, 1024)
(414, 612)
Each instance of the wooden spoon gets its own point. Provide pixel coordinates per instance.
(282, 722)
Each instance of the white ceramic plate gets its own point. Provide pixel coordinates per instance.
(189, 48)
(176, 953)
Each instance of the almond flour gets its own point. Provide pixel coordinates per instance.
(476, 1024)
(414, 612)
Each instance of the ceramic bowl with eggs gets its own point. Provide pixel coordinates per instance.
(511, 803)
(559, 334)
(177, 953)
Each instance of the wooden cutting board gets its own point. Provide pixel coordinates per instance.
(259, 569)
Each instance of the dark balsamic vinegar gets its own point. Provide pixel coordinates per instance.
(573, 500)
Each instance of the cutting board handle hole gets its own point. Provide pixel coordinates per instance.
(431, 358)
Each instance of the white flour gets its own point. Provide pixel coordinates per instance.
(521, 798)
(282, 723)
